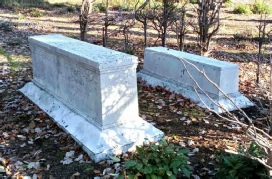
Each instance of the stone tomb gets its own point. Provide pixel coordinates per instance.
(164, 67)
(90, 92)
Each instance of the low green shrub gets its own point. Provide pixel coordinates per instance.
(237, 166)
(21, 4)
(71, 9)
(120, 7)
(21, 16)
(100, 7)
(58, 5)
(254, 150)
(261, 8)
(130, 50)
(243, 36)
(228, 3)
(162, 160)
(242, 9)
(10, 5)
(193, 1)
(6, 26)
(35, 13)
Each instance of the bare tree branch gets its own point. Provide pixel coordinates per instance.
(163, 17)
(141, 15)
(259, 136)
(208, 12)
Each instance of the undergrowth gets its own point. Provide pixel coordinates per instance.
(239, 166)
(261, 8)
(242, 9)
(160, 160)
(12, 63)
(258, 7)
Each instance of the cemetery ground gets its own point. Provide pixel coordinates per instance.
(32, 145)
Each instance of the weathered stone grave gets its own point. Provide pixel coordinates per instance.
(165, 67)
(91, 92)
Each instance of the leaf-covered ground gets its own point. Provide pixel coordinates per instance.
(32, 145)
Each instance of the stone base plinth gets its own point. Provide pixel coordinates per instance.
(189, 92)
(98, 143)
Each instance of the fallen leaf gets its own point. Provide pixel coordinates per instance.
(96, 171)
(80, 157)
(35, 165)
(196, 176)
(70, 153)
(66, 161)
(193, 119)
(117, 166)
(195, 150)
(187, 122)
(107, 171)
(12, 138)
(182, 144)
(2, 169)
(179, 112)
(75, 175)
(32, 125)
(38, 130)
(190, 142)
(23, 145)
(172, 108)
(35, 176)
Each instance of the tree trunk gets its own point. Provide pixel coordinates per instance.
(86, 9)
(270, 100)
(262, 32)
(83, 28)
(164, 23)
(105, 31)
(163, 37)
(259, 55)
(142, 17)
(208, 12)
(181, 42)
(145, 34)
(183, 29)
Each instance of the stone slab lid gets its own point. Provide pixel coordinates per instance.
(89, 54)
(193, 58)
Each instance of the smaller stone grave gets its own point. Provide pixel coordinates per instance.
(90, 92)
(165, 67)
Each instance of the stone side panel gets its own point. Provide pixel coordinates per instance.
(166, 62)
(96, 82)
